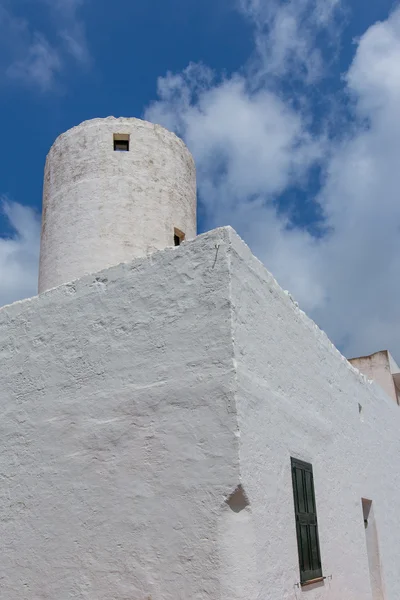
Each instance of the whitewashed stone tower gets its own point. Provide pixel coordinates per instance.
(114, 189)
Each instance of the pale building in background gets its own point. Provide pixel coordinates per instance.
(174, 427)
(382, 368)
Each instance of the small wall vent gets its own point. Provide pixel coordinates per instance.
(121, 142)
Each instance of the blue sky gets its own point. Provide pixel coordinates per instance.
(129, 47)
(291, 109)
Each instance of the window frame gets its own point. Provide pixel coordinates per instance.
(122, 140)
(179, 237)
(308, 546)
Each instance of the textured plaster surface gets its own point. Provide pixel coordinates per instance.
(118, 432)
(148, 417)
(298, 397)
(101, 207)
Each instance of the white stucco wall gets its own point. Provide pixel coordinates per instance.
(102, 207)
(118, 432)
(298, 397)
(135, 401)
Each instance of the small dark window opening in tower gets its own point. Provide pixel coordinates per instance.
(121, 142)
(179, 237)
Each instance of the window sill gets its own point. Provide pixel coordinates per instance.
(311, 581)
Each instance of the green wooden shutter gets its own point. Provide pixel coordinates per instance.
(306, 521)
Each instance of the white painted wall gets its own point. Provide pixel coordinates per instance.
(118, 432)
(101, 207)
(297, 396)
(133, 403)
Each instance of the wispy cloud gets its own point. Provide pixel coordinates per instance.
(252, 146)
(71, 28)
(75, 43)
(286, 33)
(29, 56)
(19, 253)
(39, 65)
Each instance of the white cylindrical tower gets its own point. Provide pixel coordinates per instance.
(114, 189)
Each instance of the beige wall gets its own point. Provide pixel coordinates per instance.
(378, 367)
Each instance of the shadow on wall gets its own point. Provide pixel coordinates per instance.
(371, 538)
(237, 548)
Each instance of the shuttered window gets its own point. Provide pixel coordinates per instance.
(306, 521)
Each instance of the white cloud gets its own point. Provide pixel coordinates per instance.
(246, 143)
(70, 27)
(360, 262)
(250, 146)
(19, 254)
(39, 65)
(28, 56)
(286, 32)
(75, 43)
